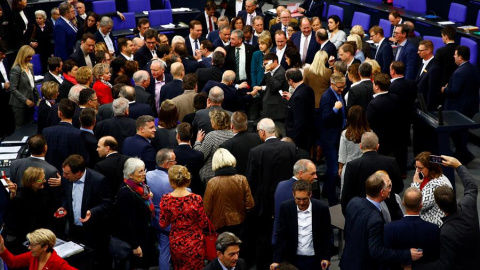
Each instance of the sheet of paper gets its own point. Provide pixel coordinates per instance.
(68, 249)
(9, 149)
(446, 23)
(8, 156)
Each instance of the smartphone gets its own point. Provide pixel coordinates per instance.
(436, 159)
(420, 175)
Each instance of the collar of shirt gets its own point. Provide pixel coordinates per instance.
(403, 43)
(58, 77)
(392, 80)
(87, 130)
(271, 137)
(41, 158)
(128, 57)
(162, 81)
(377, 204)
(66, 122)
(223, 266)
(378, 94)
(281, 50)
(184, 143)
(355, 84)
(83, 16)
(82, 179)
(131, 102)
(111, 153)
(308, 210)
(425, 62)
(411, 215)
(295, 178)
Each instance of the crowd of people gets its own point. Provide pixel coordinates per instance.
(144, 141)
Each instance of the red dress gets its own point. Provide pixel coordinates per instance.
(26, 260)
(104, 93)
(188, 218)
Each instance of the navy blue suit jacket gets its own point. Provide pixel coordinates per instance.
(413, 232)
(65, 39)
(193, 160)
(78, 57)
(409, 57)
(331, 123)
(190, 50)
(282, 193)
(254, 41)
(299, 116)
(171, 90)
(330, 49)
(212, 36)
(233, 100)
(285, 248)
(461, 93)
(138, 146)
(63, 140)
(138, 109)
(218, 43)
(313, 46)
(243, 14)
(384, 56)
(429, 84)
(364, 248)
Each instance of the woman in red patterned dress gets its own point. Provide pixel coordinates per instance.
(184, 211)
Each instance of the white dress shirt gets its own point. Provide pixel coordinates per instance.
(77, 198)
(305, 234)
(243, 60)
(4, 73)
(280, 53)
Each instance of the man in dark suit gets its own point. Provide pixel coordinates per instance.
(175, 87)
(81, 14)
(461, 94)
(147, 51)
(191, 158)
(228, 248)
(192, 41)
(280, 48)
(223, 39)
(208, 18)
(268, 164)
(206, 52)
(429, 76)
(87, 122)
(135, 109)
(112, 164)
(241, 144)
(325, 44)
(274, 105)
(189, 62)
(384, 54)
(158, 79)
(362, 93)
(383, 114)
(249, 37)
(214, 35)
(120, 126)
(126, 48)
(285, 17)
(406, 52)
(54, 73)
(139, 144)
(142, 82)
(202, 118)
(459, 235)
(395, 19)
(63, 139)
(444, 55)
(412, 231)
(84, 55)
(245, 53)
(331, 123)
(406, 91)
(213, 73)
(8, 123)
(300, 111)
(64, 32)
(304, 243)
(250, 12)
(364, 247)
(232, 8)
(87, 203)
(311, 8)
(104, 34)
(305, 39)
(358, 170)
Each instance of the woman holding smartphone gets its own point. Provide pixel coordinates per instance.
(428, 176)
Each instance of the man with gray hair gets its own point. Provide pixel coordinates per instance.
(239, 57)
(248, 15)
(268, 164)
(120, 126)
(228, 250)
(141, 79)
(357, 171)
(234, 100)
(104, 34)
(158, 79)
(214, 35)
(202, 118)
(135, 109)
(160, 185)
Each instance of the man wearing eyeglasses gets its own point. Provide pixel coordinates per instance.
(285, 18)
(332, 121)
(303, 233)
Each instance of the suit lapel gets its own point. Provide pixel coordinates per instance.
(86, 190)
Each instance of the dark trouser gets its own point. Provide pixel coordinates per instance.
(460, 140)
(264, 250)
(96, 238)
(307, 262)
(330, 151)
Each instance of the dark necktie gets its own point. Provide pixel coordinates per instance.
(196, 45)
(237, 64)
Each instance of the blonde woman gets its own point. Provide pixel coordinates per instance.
(22, 87)
(257, 71)
(358, 29)
(102, 84)
(317, 76)
(49, 95)
(375, 66)
(358, 41)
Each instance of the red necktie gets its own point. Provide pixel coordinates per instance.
(210, 26)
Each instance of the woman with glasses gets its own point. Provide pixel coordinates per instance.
(428, 176)
(40, 256)
(133, 212)
(29, 210)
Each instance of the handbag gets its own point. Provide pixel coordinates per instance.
(210, 239)
(119, 249)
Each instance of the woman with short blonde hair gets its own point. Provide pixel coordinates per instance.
(102, 84)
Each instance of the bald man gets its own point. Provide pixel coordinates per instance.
(175, 87)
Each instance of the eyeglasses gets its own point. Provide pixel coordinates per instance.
(30, 244)
(96, 99)
(339, 87)
(260, 130)
(421, 50)
(40, 180)
(285, 17)
(301, 199)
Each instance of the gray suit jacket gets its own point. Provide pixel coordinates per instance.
(20, 88)
(18, 167)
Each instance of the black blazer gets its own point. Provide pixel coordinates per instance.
(215, 265)
(193, 160)
(230, 59)
(63, 90)
(234, 100)
(313, 46)
(137, 109)
(138, 146)
(151, 89)
(119, 127)
(112, 168)
(429, 83)
(91, 146)
(142, 96)
(299, 117)
(191, 65)
(48, 77)
(358, 170)
(230, 9)
(312, 10)
(330, 49)
(406, 92)
(190, 49)
(201, 18)
(444, 56)
(218, 43)
(78, 57)
(171, 90)
(239, 146)
(213, 73)
(461, 94)
(283, 61)
(99, 38)
(384, 56)
(142, 56)
(274, 105)
(285, 248)
(360, 94)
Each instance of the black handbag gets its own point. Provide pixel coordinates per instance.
(119, 249)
